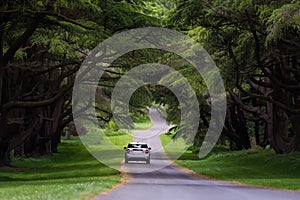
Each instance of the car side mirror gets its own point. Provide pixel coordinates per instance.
(125, 147)
(149, 148)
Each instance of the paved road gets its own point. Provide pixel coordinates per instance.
(172, 183)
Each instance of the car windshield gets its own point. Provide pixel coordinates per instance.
(137, 146)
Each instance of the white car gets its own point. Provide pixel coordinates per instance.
(137, 151)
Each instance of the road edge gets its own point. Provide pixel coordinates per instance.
(201, 176)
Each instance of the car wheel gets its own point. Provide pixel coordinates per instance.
(148, 161)
(126, 160)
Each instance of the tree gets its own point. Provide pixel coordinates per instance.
(254, 43)
(42, 45)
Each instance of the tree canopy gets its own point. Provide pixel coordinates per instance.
(254, 43)
(42, 44)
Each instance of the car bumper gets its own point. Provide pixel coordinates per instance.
(137, 157)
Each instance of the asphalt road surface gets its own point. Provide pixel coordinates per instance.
(161, 180)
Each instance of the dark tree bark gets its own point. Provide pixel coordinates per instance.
(56, 125)
(4, 154)
(283, 128)
(236, 128)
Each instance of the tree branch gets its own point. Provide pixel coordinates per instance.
(27, 104)
(66, 19)
(255, 110)
(269, 99)
(20, 41)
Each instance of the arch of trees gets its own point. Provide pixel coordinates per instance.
(254, 43)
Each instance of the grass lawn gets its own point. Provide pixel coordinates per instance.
(70, 174)
(254, 167)
(142, 123)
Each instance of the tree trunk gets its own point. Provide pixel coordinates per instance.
(236, 129)
(56, 125)
(19, 151)
(295, 121)
(278, 126)
(4, 154)
(257, 133)
(280, 130)
(238, 123)
(8, 131)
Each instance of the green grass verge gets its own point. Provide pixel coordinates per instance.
(255, 167)
(119, 138)
(142, 123)
(173, 148)
(70, 174)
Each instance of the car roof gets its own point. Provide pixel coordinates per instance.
(137, 143)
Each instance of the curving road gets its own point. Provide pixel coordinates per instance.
(157, 182)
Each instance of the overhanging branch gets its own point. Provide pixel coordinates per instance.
(28, 104)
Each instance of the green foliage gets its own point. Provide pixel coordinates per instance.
(112, 125)
(283, 21)
(123, 15)
(249, 40)
(141, 97)
(185, 13)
